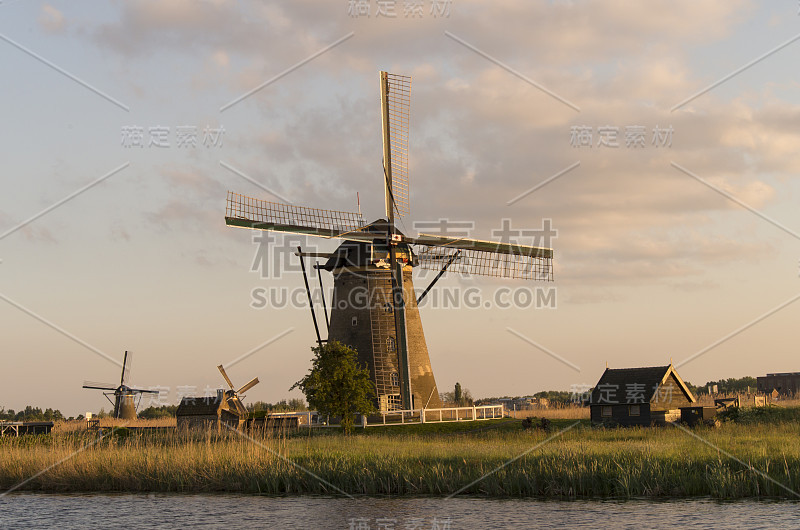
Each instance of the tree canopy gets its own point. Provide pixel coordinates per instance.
(31, 414)
(337, 385)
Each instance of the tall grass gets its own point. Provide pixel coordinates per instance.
(581, 462)
(570, 413)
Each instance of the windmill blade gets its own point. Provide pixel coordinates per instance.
(227, 379)
(497, 247)
(99, 386)
(395, 118)
(248, 212)
(248, 386)
(485, 258)
(126, 367)
(237, 403)
(143, 391)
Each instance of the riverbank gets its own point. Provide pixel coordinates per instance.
(579, 462)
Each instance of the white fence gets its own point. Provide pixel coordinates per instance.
(406, 417)
(401, 417)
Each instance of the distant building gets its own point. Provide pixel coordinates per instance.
(207, 411)
(639, 396)
(785, 383)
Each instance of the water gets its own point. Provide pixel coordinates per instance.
(25, 510)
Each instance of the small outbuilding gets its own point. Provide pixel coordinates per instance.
(208, 411)
(639, 396)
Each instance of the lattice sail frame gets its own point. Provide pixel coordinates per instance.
(399, 96)
(486, 263)
(248, 212)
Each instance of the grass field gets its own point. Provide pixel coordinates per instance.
(431, 459)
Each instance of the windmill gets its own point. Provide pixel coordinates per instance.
(125, 398)
(232, 396)
(225, 408)
(375, 261)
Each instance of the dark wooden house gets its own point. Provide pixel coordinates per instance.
(639, 396)
(210, 411)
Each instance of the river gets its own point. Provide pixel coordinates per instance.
(23, 510)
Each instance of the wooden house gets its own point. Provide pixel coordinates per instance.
(210, 411)
(639, 396)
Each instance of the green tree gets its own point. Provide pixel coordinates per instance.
(336, 385)
(457, 396)
(164, 411)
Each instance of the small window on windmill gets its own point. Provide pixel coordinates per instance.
(354, 321)
(395, 379)
(390, 343)
(387, 307)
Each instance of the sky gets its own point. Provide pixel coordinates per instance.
(658, 140)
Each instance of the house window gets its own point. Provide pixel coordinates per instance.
(390, 343)
(633, 410)
(355, 321)
(605, 411)
(395, 379)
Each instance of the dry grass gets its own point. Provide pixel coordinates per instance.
(67, 426)
(565, 413)
(581, 462)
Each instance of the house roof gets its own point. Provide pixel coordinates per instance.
(616, 384)
(199, 406)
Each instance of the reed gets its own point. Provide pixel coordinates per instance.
(564, 413)
(581, 462)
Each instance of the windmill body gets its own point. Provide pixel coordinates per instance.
(362, 316)
(374, 309)
(126, 398)
(224, 409)
(125, 405)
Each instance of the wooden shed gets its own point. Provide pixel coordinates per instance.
(639, 396)
(696, 415)
(209, 411)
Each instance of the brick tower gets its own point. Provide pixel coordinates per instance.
(362, 317)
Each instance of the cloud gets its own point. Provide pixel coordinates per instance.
(480, 136)
(51, 19)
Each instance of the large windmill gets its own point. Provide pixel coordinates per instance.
(125, 398)
(374, 307)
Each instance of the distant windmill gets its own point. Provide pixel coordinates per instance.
(125, 398)
(225, 408)
(233, 396)
(376, 261)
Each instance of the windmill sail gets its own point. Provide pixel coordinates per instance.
(247, 212)
(388, 336)
(253, 382)
(396, 115)
(485, 258)
(225, 375)
(99, 386)
(125, 397)
(126, 368)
